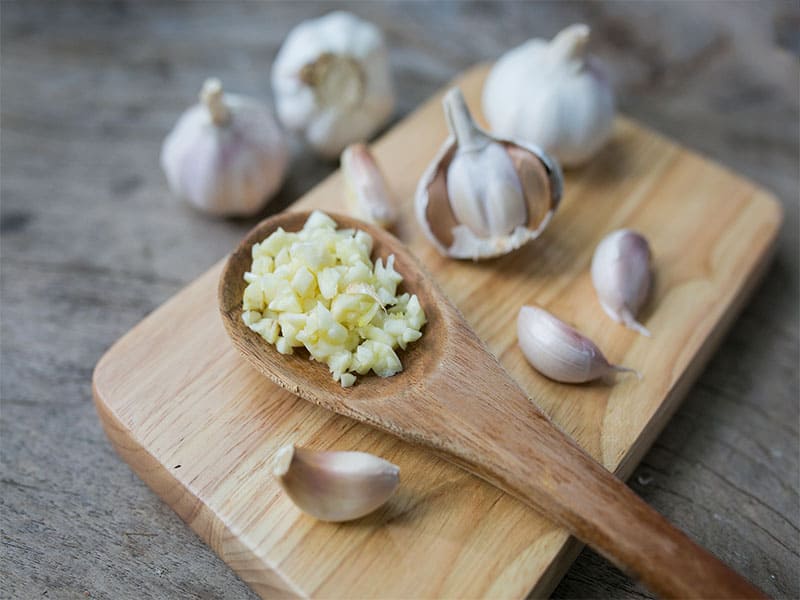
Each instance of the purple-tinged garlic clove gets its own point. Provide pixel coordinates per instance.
(622, 276)
(560, 352)
(335, 486)
(365, 187)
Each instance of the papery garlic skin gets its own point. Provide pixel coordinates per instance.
(483, 196)
(226, 156)
(365, 187)
(622, 276)
(335, 486)
(552, 94)
(560, 352)
(332, 81)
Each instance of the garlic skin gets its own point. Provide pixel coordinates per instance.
(483, 196)
(332, 82)
(622, 276)
(226, 155)
(552, 94)
(559, 352)
(365, 187)
(335, 486)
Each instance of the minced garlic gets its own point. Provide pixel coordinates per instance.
(317, 288)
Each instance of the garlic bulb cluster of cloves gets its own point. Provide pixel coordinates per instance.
(483, 196)
(622, 276)
(560, 352)
(552, 94)
(332, 82)
(335, 486)
(367, 193)
(226, 155)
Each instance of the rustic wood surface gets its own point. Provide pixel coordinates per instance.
(91, 243)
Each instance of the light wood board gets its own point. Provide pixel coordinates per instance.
(198, 425)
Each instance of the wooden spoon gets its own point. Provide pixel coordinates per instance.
(455, 398)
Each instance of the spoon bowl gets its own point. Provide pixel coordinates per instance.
(310, 379)
(455, 398)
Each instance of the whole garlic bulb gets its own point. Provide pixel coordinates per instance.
(484, 196)
(552, 94)
(226, 155)
(332, 81)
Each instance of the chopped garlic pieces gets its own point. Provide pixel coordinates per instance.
(317, 288)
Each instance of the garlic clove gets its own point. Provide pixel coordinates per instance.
(366, 189)
(560, 352)
(226, 156)
(332, 82)
(553, 94)
(483, 196)
(335, 486)
(622, 276)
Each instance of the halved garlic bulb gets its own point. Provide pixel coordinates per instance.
(484, 196)
(335, 486)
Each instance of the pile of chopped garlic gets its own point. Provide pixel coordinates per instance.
(318, 288)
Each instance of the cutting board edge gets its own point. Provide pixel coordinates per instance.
(190, 507)
(712, 342)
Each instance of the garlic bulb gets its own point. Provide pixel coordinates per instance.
(622, 277)
(484, 196)
(335, 486)
(558, 351)
(552, 94)
(226, 155)
(366, 189)
(332, 82)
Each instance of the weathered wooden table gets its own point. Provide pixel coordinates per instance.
(91, 242)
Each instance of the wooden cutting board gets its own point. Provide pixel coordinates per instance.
(200, 427)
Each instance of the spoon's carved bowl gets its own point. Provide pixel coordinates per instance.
(311, 379)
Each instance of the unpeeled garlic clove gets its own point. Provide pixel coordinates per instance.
(335, 486)
(484, 196)
(560, 352)
(622, 276)
(367, 193)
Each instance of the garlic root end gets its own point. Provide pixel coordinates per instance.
(212, 97)
(459, 121)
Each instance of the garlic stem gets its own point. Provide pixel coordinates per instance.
(212, 97)
(627, 319)
(469, 138)
(571, 43)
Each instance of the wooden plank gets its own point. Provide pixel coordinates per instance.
(200, 427)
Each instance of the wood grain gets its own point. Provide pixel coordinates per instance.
(222, 423)
(91, 241)
(491, 428)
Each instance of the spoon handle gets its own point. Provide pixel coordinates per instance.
(534, 461)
